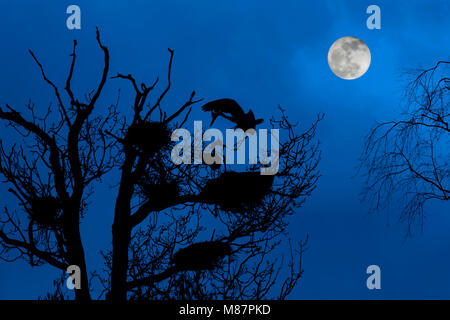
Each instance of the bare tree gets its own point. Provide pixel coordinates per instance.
(50, 173)
(179, 231)
(409, 157)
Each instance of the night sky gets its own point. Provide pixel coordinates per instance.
(261, 53)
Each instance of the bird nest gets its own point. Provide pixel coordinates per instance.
(161, 194)
(237, 191)
(45, 210)
(148, 137)
(201, 256)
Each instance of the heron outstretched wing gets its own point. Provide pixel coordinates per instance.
(227, 106)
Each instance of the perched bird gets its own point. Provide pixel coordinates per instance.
(214, 166)
(201, 256)
(231, 110)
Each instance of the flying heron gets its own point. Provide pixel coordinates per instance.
(231, 110)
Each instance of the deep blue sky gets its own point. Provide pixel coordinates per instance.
(262, 53)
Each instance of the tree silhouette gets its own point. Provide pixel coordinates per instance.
(409, 157)
(179, 231)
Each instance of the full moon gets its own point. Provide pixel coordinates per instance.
(349, 58)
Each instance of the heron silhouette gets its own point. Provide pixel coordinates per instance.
(232, 111)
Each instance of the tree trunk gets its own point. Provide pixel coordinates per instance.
(121, 233)
(75, 250)
(76, 253)
(82, 294)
